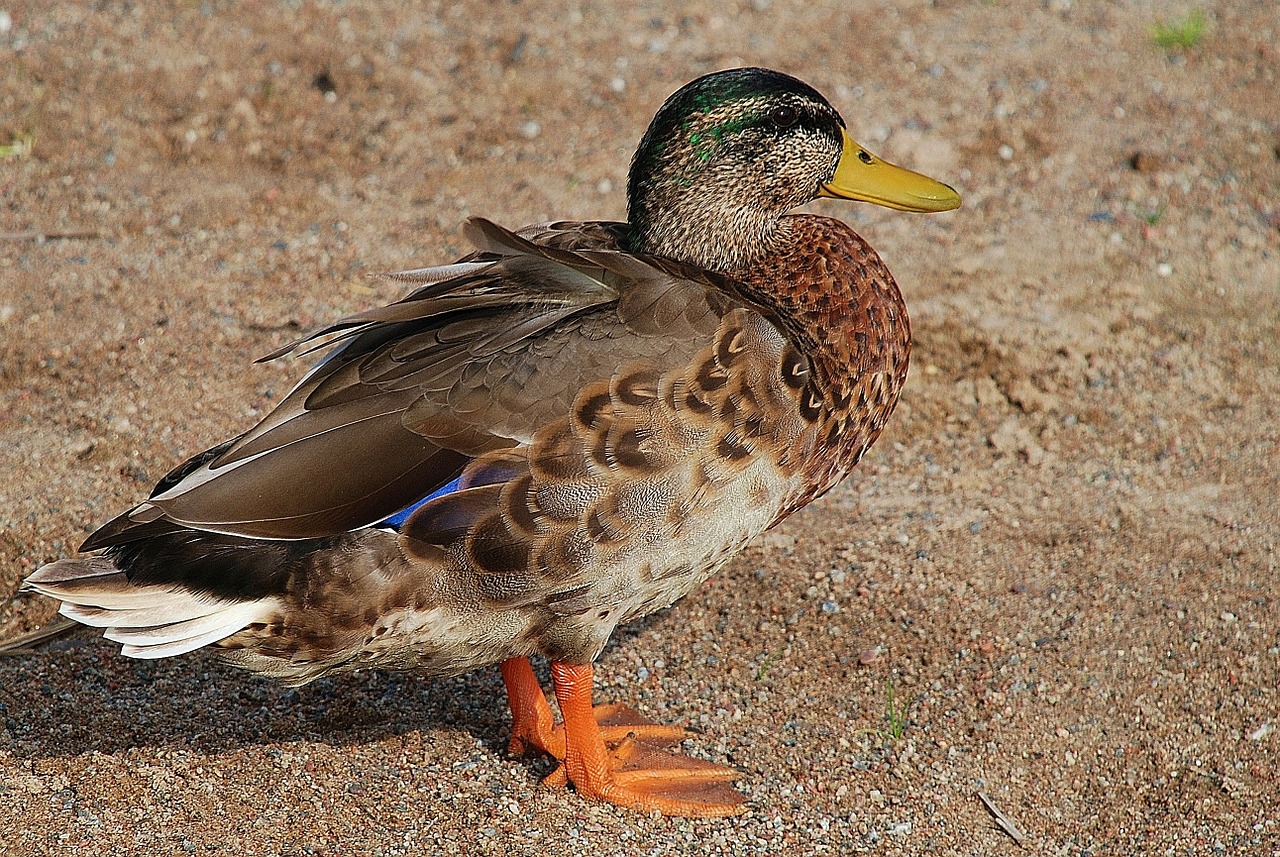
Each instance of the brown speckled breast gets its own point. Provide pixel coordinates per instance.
(838, 302)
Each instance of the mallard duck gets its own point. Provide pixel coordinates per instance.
(568, 429)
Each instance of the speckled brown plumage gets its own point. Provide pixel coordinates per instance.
(570, 428)
(843, 311)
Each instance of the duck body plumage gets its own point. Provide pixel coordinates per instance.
(609, 430)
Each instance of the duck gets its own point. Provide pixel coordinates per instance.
(567, 429)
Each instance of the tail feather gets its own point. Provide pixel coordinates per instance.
(150, 643)
(293, 610)
(70, 571)
(222, 623)
(148, 620)
(157, 612)
(96, 582)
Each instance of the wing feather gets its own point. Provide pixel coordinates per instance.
(478, 358)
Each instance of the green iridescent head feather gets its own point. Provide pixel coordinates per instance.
(704, 112)
(716, 153)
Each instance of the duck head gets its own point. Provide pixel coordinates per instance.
(731, 152)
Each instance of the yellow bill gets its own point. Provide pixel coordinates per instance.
(862, 176)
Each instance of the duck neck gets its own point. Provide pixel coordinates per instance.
(726, 238)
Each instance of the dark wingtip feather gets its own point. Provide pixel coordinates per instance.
(123, 529)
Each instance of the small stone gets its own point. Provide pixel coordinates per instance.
(82, 447)
(1145, 162)
(530, 130)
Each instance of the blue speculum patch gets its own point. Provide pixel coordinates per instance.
(397, 520)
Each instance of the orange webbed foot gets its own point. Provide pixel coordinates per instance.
(612, 752)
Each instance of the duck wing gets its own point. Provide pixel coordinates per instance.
(475, 360)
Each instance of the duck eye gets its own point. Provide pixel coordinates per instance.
(783, 116)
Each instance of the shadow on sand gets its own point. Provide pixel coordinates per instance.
(77, 694)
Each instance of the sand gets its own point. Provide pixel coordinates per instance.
(1053, 582)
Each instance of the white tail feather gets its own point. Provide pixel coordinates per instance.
(228, 620)
(438, 273)
(150, 621)
(71, 571)
(112, 592)
(165, 641)
(178, 647)
(158, 612)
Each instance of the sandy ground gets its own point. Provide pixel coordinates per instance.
(1060, 560)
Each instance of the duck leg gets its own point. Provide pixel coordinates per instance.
(534, 730)
(633, 772)
(533, 726)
